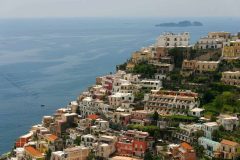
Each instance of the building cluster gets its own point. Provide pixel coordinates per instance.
(96, 124)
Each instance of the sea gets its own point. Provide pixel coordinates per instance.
(50, 61)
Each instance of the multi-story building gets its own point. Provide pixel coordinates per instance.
(211, 148)
(141, 117)
(191, 66)
(214, 40)
(89, 106)
(144, 55)
(187, 133)
(77, 152)
(151, 84)
(23, 139)
(88, 140)
(231, 78)
(228, 122)
(186, 152)
(118, 98)
(232, 51)
(173, 40)
(133, 143)
(100, 126)
(208, 129)
(171, 102)
(206, 66)
(106, 146)
(229, 149)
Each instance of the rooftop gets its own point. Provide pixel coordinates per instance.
(32, 151)
(229, 143)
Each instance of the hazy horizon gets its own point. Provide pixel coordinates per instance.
(123, 8)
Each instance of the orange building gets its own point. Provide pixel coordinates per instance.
(23, 140)
(186, 152)
(32, 153)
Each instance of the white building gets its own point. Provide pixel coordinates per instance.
(208, 129)
(100, 126)
(88, 140)
(106, 146)
(197, 112)
(173, 40)
(151, 84)
(210, 146)
(228, 122)
(117, 99)
(90, 106)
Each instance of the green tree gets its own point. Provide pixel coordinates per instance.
(155, 116)
(48, 154)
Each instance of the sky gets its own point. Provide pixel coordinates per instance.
(119, 8)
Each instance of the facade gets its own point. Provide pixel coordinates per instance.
(23, 140)
(187, 133)
(171, 102)
(89, 106)
(141, 56)
(229, 149)
(106, 146)
(197, 112)
(173, 40)
(228, 122)
(206, 66)
(151, 84)
(133, 143)
(231, 78)
(76, 153)
(232, 51)
(211, 148)
(208, 129)
(88, 140)
(118, 98)
(186, 152)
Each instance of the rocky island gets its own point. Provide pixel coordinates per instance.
(180, 24)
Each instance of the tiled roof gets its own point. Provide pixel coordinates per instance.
(93, 116)
(186, 146)
(33, 152)
(229, 143)
(51, 137)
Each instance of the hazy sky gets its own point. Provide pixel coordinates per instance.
(118, 8)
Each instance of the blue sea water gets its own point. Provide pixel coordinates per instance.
(50, 61)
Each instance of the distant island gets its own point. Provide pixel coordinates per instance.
(180, 24)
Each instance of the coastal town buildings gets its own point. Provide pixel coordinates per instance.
(232, 51)
(211, 148)
(173, 40)
(231, 78)
(208, 129)
(229, 149)
(171, 102)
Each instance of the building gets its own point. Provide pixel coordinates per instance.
(186, 152)
(144, 55)
(118, 98)
(173, 40)
(194, 66)
(23, 140)
(232, 51)
(228, 122)
(214, 40)
(133, 143)
(151, 84)
(187, 133)
(197, 112)
(88, 140)
(211, 148)
(206, 66)
(208, 129)
(106, 146)
(58, 155)
(76, 153)
(32, 153)
(171, 102)
(229, 149)
(100, 126)
(231, 78)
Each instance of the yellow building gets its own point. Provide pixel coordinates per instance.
(232, 51)
(231, 78)
(229, 149)
(141, 56)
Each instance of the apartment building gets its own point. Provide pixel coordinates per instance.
(171, 102)
(231, 78)
(208, 129)
(232, 51)
(173, 40)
